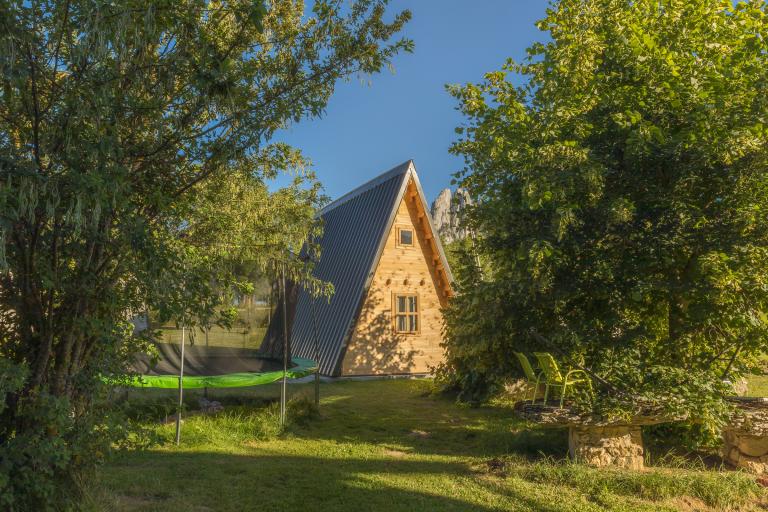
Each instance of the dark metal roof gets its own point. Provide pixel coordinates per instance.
(354, 233)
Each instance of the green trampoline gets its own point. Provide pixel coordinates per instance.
(227, 362)
(214, 367)
(191, 365)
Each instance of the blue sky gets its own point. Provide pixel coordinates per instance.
(369, 129)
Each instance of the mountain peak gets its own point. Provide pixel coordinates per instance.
(446, 214)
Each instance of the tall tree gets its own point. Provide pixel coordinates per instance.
(122, 126)
(622, 200)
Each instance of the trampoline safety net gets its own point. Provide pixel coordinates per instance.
(250, 353)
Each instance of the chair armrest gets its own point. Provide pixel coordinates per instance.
(576, 372)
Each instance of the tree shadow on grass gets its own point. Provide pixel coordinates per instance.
(452, 440)
(403, 419)
(428, 425)
(168, 481)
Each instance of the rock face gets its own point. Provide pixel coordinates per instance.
(740, 387)
(446, 214)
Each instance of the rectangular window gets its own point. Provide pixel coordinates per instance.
(404, 237)
(406, 309)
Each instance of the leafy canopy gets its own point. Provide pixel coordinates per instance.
(621, 201)
(135, 157)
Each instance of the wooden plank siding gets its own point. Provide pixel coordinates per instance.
(374, 348)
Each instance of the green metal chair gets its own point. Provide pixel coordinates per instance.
(554, 379)
(530, 373)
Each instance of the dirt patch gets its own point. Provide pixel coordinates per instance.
(419, 434)
(689, 504)
(395, 454)
(134, 501)
(253, 443)
(496, 466)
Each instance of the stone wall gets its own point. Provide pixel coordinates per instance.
(619, 446)
(745, 440)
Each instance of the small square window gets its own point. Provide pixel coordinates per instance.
(405, 237)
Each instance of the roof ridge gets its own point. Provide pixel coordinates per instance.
(381, 178)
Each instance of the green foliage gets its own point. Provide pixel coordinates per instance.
(135, 157)
(52, 447)
(621, 201)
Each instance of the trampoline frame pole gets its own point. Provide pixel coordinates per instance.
(205, 389)
(317, 354)
(283, 388)
(181, 389)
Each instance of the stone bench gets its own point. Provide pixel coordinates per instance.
(597, 442)
(593, 440)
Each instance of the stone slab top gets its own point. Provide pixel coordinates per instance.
(550, 414)
(749, 402)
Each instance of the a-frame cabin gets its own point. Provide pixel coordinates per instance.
(391, 278)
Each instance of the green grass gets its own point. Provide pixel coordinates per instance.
(757, 385)
(389, 445)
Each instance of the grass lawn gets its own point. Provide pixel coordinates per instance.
(757, 385)
(388, 445)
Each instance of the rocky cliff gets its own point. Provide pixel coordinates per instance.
(446, 214)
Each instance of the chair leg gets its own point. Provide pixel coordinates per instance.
(562, 395)
(546, 392)
(535, 390)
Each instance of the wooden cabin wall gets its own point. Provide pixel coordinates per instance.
(374, 347)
